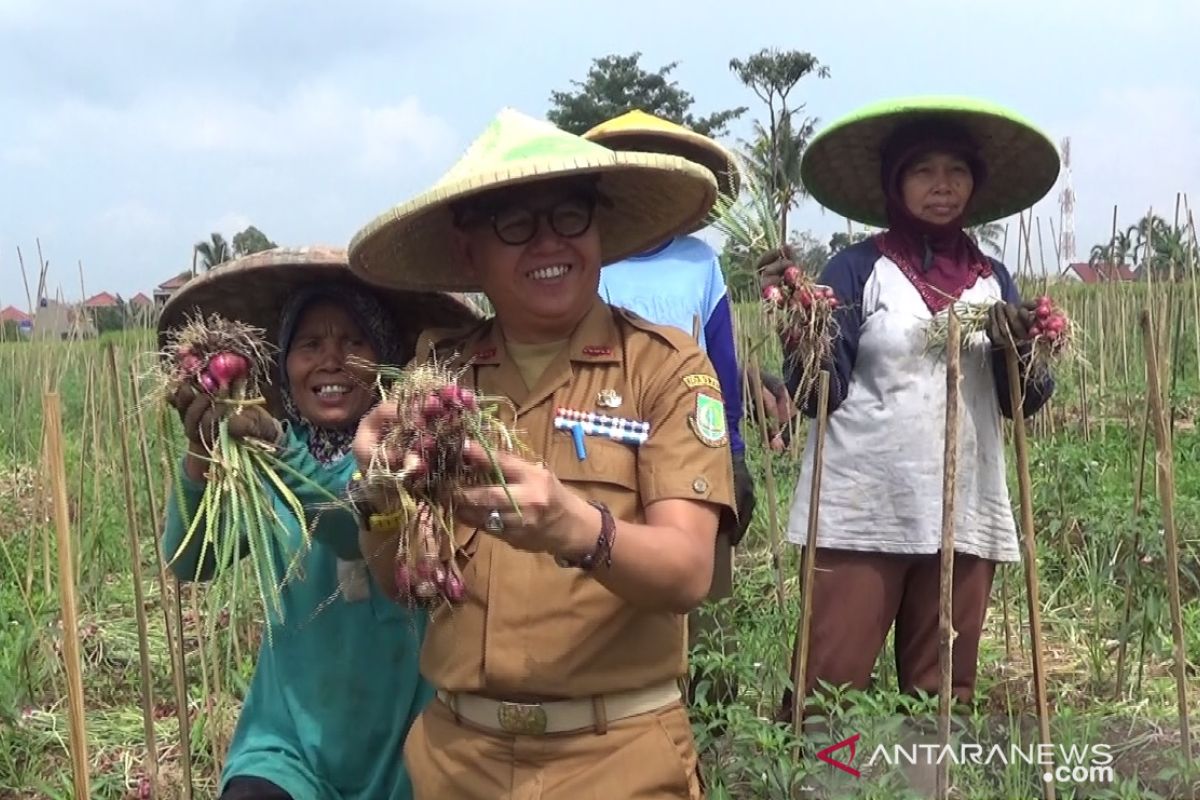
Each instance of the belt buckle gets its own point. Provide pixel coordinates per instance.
(526, 719)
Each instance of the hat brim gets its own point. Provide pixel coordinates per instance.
(687, 144)
(841, 168)
(254, 290)
(653, 197)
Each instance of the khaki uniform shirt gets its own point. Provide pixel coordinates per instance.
(528, 628)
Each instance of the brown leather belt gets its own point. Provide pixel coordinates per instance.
(557, 716)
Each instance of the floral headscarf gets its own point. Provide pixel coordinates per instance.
(329, 444)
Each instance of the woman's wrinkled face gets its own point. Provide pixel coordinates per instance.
(936, 187)
(328, 391)
(536, 254)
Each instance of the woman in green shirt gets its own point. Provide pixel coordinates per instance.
(337, 685)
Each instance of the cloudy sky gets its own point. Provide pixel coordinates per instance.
(133, 128)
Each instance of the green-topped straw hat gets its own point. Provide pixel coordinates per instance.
(651, 198)
(842, 165)
(254, 289)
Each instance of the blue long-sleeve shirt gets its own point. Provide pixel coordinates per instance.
(337, 684)
(672, 285)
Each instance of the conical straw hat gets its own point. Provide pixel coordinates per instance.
(637, 130)
(842, 165)
(254, 289)
(653, 197)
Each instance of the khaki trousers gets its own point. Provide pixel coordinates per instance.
(645, 757)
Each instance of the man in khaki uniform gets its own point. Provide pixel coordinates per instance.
(558, 675)
(672, 283)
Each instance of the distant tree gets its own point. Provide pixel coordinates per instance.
(775, 151)
(616, 84)
(112, 318)
(251, 240)
(737, 265)
(840, 241)
(213, 252)
(988, 236)
(1159, 250)
(1115, 252)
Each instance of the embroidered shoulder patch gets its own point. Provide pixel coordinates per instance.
(696, 381)
(708, 423)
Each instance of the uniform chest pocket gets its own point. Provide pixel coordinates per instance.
(608, 466)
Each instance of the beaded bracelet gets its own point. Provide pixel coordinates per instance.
(604, 542)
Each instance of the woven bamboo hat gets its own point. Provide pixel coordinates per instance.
(639, 131)
(653, 197)
(842, 166)
(254, 289)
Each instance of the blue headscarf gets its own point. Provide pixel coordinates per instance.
(328, 444)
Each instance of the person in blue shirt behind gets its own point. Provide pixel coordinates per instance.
(310, 726)
(680, 283)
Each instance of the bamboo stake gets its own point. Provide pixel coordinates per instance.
(1030, 551)
(1083, 392)
(88, 403)
(809, 567)
(946, 580)
(1020, 239)
(772, 509)
(1041, 245)
(47, 579)
(178, 644)
(1194, 267)
(25, 280)
(1008, 654)
(1136, 555)
(66, 588)
(1029, 249)
(139, 599)
(43, 269)
(1101, 392)
(1166, 487)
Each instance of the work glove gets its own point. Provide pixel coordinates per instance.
(200, 416)
(1006, 318)
(744, 499)
(770, 266)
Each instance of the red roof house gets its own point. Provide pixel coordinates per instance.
(167, 288)
(102, 300)
(1099, 273)
(14, 314)
(140, 300)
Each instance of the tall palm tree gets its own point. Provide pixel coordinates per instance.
(213, 252)
(778, 168)
(1158, 248)
(989, 236)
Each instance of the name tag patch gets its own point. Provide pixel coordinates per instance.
(696, 381)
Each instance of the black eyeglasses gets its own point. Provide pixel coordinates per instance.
(518, 224)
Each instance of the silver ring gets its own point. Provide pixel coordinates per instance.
(494, 522)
